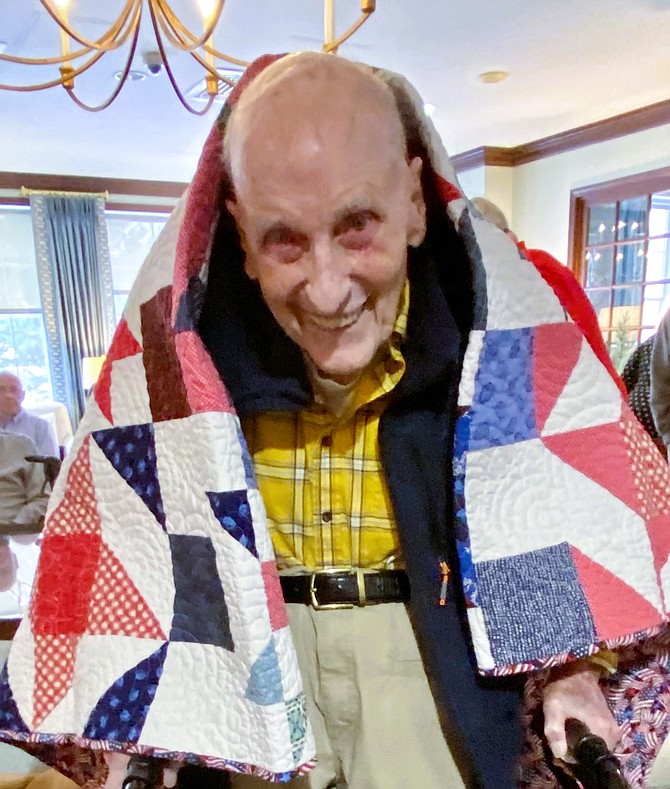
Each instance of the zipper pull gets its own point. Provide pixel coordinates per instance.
(445, 572)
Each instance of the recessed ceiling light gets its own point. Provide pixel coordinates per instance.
(428, 109)
(3, 47)
(490, 77)
(133, 75)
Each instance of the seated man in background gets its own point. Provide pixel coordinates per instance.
(22, 503)
(15, 419)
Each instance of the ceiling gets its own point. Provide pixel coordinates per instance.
(570, 62)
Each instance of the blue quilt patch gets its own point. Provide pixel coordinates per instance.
(534, 605)
(234, 514)
(264, 686)
(503, 408)
(10, 719)
(121, 712)
(296, 712)
(132, 452)
(200, 610)
(466, 567)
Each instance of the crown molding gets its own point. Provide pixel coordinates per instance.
(82, 183)
(601, 131)
(486, 156)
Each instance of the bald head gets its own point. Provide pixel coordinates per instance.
(491, 212)
(326, 204)
(311, 99)
(11, 395)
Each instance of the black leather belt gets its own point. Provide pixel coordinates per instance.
(346, 588)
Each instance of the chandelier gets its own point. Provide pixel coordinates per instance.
(78, 57)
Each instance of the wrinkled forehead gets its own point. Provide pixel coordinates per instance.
(314, 103)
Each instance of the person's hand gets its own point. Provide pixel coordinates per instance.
(573, 691)
(117, 764)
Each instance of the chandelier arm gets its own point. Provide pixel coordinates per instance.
(334, 45)
(113, 30)
(122, 78)
(197, 56)
(168, 69)
(170, 23)
(221, 56)
(54, 82)
(79, 53)
(185, 40)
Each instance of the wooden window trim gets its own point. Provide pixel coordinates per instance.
(609, 191)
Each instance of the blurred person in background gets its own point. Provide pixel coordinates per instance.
(15, 419)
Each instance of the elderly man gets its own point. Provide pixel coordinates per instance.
(15, 419)
(21, 503)
(339, 292)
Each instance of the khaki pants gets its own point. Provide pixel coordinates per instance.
(369, 702)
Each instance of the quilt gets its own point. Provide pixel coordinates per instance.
(157, 623)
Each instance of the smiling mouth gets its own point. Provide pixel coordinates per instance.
(336, 323)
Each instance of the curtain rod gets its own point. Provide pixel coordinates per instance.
(26, 192)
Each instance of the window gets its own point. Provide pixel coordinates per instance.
(23, 342)
(621, 253)
(131, 235)
(23, 347)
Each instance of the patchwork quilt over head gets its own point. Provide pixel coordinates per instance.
(157, 623)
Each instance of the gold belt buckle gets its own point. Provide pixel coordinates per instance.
(360, 580)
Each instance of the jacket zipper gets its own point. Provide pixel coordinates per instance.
(445, 572)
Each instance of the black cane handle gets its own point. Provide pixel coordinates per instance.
(597, 766)
(143, 772)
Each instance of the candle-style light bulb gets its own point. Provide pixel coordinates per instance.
(207, 9)
(62, 6)
(66, 69)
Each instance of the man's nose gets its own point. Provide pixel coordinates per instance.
(328, 282)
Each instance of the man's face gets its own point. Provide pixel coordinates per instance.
(11, 395)
(325, 218)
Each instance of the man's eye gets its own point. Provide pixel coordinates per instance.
(283, 244)
(357, 230)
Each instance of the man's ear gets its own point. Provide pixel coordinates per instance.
(416, 220)
(235, 211)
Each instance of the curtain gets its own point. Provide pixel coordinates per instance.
(75, 277)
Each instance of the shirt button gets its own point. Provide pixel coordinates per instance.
(392, 366)
(327, 441)
(327, 516)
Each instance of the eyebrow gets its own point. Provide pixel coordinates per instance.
(266, 230)
(354, 207)
(358, 207)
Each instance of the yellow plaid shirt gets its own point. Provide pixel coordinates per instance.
(321, 476)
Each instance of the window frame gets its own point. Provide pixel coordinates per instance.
(126, 195)
(19, 311)
(613, 191)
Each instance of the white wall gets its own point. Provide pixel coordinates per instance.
(473, 182)
(541, 201)
(494, 183)
(535, 197)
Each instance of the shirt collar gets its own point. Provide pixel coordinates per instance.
(12, 420)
